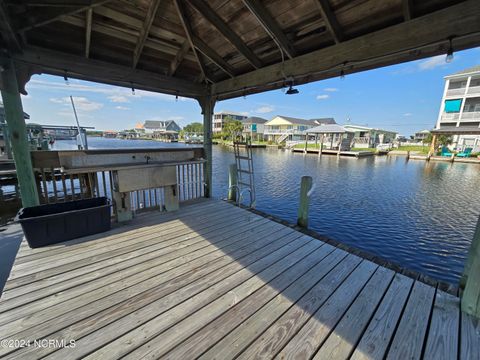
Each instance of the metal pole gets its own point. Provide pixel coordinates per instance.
(78, 124)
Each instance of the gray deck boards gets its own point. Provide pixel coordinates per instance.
(215, 281)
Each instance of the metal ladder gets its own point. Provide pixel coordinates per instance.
(244, 163)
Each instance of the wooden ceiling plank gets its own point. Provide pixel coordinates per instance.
(57, 63)
(88, 31)
(208, 13)
(418, 38)
(50, 3)
(145, 30)
(407, 7)
(207, 51)
(35, 18)
(270, 26)
(7, 30)
(330, 20)
(179, 58)
(179, 5)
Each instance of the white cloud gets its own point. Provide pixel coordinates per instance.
(244, 113)
(118, 99)
(323, 97)
(407, 114)
(432, 63)
(111, 91)
(330, 89)
(81, 103)
(265, 109)
(122, 108)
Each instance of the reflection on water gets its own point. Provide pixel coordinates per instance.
(417, 214)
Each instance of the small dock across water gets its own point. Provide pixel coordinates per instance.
(213, 280)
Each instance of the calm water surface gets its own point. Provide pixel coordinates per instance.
(420, 215)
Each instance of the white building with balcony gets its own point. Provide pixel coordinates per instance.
(285, 128)
(460, 108)
(219, 119)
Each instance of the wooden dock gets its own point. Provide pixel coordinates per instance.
(335, 152)
(216, 281)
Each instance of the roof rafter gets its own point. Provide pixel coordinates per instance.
(34, 18)
(407, 8)
(206, 11)
(144, 31)
(88, 31)
(179, 58)
(330, 20)
(189, 34)
(270, 26)
(201, 46)
(7, 31)
(50, 3)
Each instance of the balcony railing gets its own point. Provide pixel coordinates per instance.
(471, 116)
(473, 90)
(456, 92)
(449, 117)
(268, 131)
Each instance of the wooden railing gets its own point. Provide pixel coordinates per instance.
(70, 175)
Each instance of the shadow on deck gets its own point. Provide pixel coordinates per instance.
(216, 281)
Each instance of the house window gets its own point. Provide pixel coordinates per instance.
(477, 108)
(453, 106)
(466, 108)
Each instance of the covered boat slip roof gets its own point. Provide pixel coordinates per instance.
(227, 49)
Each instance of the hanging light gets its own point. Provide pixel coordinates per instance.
(291, 90)
(133, 90)
(449, 57)
(342, 74)
(65, 77)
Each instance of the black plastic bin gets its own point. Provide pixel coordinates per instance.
(54, 223)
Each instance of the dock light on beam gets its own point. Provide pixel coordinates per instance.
(291, 90)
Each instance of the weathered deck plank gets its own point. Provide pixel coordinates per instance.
(216, 281)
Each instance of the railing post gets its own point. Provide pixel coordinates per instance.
(305, 187)
(232, 182)
(470, 280)
(207, 104)
(18, 135)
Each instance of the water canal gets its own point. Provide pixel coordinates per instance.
(417, 214)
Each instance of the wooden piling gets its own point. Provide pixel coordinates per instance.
(207, 104)
(18, 135)
(305, 187)
(470, 280)
(232, 182)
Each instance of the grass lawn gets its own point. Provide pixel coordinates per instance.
(421, 149)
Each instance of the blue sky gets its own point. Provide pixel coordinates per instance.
(404, 98)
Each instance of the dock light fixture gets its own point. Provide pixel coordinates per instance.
(449, 57)
(291, 90)
(133, 90)
(65, 77)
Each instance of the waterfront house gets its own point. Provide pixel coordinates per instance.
(219, 119)
(254, 127)
(367, 137)
(285, 128)
(421, 135)
(459, 114)
(110, 134)
(167, 130)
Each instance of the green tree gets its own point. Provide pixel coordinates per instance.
(441, 140)
(231, 128)
(195, 127)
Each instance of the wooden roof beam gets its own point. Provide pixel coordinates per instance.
(7, 30)
(144, 31)
(201, 46)
(179, 58)
(35, 17)
(206, 11)
(88, 31)
(418, 38)
(179, 5)
(330, 20)
(270, 26)
(57, 63)
(407, 7)
(50, 3)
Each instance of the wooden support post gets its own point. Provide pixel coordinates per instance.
(18, 135)
(339, 145)
(207, 104)
(306, 144)
(123, 206)
(433, 145)
(172, 201)
(470, 280)
(321, 145)
(305, 187)
(232, 182)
